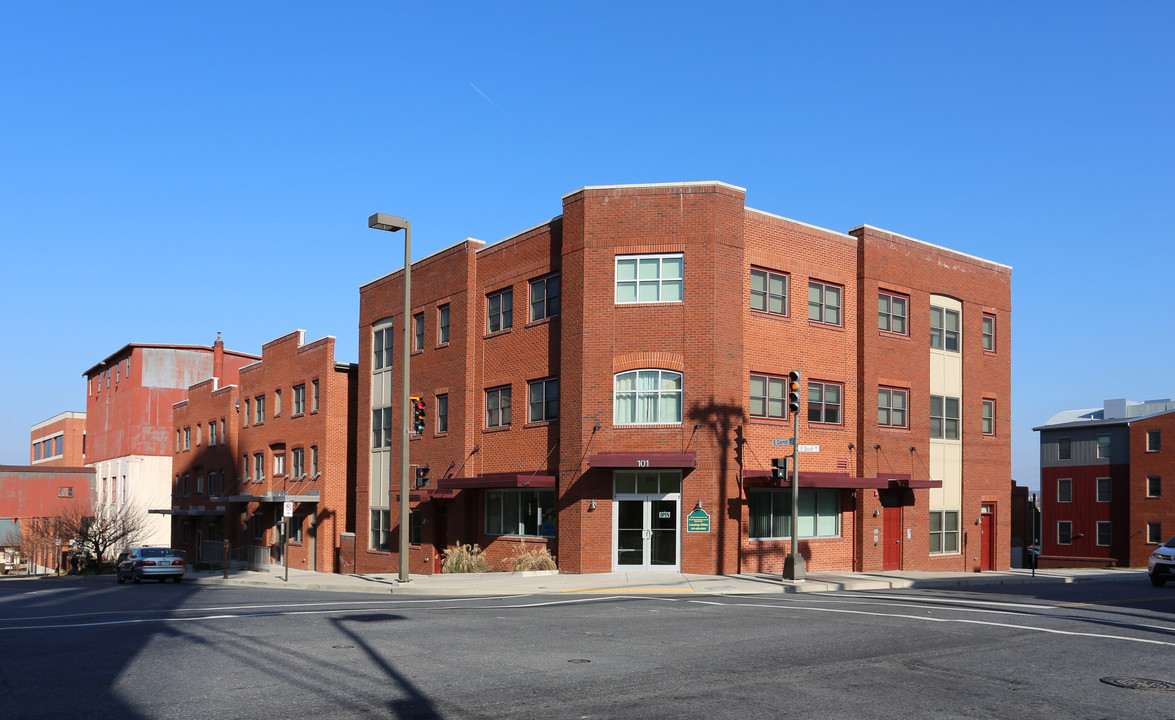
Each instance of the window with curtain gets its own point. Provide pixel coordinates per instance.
(647, 397)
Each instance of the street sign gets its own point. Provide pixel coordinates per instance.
(697, 521)
(783, 441)
(288, 509)
(809, 448)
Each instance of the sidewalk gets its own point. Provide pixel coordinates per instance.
(490, 584)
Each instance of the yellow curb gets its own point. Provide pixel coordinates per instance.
(633, 590)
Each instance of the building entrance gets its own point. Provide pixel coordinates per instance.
(646, 521)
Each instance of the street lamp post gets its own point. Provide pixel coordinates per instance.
(392, 223)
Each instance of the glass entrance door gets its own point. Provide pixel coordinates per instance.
(647, 533)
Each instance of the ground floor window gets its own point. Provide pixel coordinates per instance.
(819, 513)
(380, 530)
(1104, 534)
(520, 512)
(1065, 532)
(944, 531)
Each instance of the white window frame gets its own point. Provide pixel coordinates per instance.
(1108, 484)
(279, 464)
(819, 308)
(1157, 486)
(644, 278)
(988, 416)
(1108, 526)
(259, 410)
(1103, 450)
(298, 463)
(945, 534)
(418, 332)
(443, 324)
(940, 411)
(762, 298)
(1068, 525)
(1065, 487)
(300, 399)
(382, 346)
(499, 500)
(381, 428)
(1157, 443)
(662, 394)
(314, 472)
(1154, 533)
(942, 336)
(314, 397)
(988, 332)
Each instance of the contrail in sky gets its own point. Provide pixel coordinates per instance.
(487, 97)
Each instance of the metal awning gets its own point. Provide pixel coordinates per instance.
(276, 497)
(497, 480)
(642, 459)
(188, 511)
(840, 480)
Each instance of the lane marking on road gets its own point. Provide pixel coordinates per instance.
(1127, 601)
(633, 590)
(930, 618)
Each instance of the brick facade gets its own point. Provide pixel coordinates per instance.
(59, 441)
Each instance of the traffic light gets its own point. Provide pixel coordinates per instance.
(417, 416)
(421, 477)
(793, 391)
(779, 468)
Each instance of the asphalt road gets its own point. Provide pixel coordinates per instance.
(88, 648)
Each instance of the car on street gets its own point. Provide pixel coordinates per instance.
(1161, 566)
(159, 563)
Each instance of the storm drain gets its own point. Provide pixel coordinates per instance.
(579, 660)
(1140, 684)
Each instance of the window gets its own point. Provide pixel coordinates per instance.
(647, 396)
(520, 512)
(544, 297)
(769, 292)
(1104, 533)
(245, 416)
(37, 447)
(259, 406)
(944, 532)
(891, 313)
(187, 485)
(442, 413)
(199, 434)
(381, 428)
(65, 492)
(222, 433)
(767, 397)
(381, 536)
(891, 407)
(187, 438)
(989, 332)
(1154, 487)
(299, 399)
(944, 417)
(543, 400)
(824, 302)
(501, 310)
(498, 407)
(418, 332)
(314, 396)
(1103, 446)
(944, 329)
(258, 467)
(443, 325)
(382, 344)
(298, 459)
(819, 513)
(1105, 489)
(279, 464)
(824, 403)
(212, 433)
(1064, 490)
(415, 527)
(1064, 448)
(1154, 440)
(258, 526)
(989, 417)
(649, 278)
(199, 484)
(1065, 532)
(1154, 533)
(313, 461)
(295, 528)
(277, 403)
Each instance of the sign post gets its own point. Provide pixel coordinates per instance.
(793, 566)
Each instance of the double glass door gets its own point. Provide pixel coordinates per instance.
(647, 533)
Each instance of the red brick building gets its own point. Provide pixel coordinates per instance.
(59, 441)
(129, 399)
(1101, 483)
(655, 327)
(285, 434)
(40, 491)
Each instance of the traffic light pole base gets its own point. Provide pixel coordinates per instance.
(793, 567)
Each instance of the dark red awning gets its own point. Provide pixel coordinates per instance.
(641, 459)
(497, 480)
(840, 480)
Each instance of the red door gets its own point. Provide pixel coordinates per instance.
(891, 539)
(987, 538)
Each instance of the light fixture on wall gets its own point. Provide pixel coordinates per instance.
(877, 446)
(592, 505)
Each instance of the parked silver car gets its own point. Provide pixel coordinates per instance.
(1161, 567)
(160, 563)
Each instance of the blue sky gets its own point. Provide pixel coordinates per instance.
(171, 170)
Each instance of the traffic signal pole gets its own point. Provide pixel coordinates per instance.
(793, 566)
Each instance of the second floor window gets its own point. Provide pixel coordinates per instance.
(824, 303)
(891, 313)
(1154, 440)
(648, 397)
(767, 393)
(824, 403)
(259, 406)
(544, 297)
(187, 438)
(891, 407)
(298, 461)
(1105, 490)
(769, 292)
(279, 463)
(649, 278)
(313, 461)
(500, 308)
(498, 407)
(944, 417)
(418, 331)
(543, 401)
(944, 329)
(299, 399)
(443, 325)
(1065, 490)
(381, 428)
(258, 467)
(314, 396)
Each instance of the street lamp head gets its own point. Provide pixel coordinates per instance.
(383, 221)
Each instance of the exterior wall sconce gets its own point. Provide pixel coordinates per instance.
(592, 506)
(876, 512)
(877, 446)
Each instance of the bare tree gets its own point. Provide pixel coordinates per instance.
(102, 525)
(39, 537)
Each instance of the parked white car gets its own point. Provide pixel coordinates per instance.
(1161, 567)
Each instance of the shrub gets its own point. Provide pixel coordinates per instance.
(526, 560)
(464, 559)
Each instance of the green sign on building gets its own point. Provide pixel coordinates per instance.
(697, 521)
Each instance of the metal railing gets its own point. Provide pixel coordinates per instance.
(249, 557)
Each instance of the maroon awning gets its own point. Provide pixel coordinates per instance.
(641, 459)
(498, 480)
(839, 480)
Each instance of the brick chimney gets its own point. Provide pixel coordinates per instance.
(218, 358)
